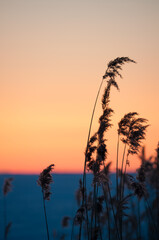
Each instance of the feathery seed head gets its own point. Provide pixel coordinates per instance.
(104, 122)
(123, 125)
(89, 201)
(123, 205)
(65, 221)
(44, 181)
(102, 151)
(101, 178)
(99, 204)
(93, 138)
(79, 217)
(141, 173)
(79, 192)
(7, 229)
(106, 95)
(138, 187)
(7, 187)
(133, 131)
(115, 65)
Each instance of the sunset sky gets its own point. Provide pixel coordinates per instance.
(53, 56)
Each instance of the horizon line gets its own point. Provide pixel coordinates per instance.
(56, 172)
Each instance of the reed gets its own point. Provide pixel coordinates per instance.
(7, 187)
(109, 222)
(44, 181)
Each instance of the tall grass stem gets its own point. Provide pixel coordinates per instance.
(47, 229)
(117, 168)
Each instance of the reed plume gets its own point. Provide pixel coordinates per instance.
(44, 181)
(7, 187)
(65, 221)
(137, 186)
(132, 131)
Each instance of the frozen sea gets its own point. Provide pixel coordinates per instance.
(25, 209)
(25, 206)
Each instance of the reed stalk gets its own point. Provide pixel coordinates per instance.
(139, 219)
(46, 221)
(117, 171)
(44, 181)
(89, 133)
(101, 150)
(122, 173)
(151, 216)
(5, 216)
(7, 187)
(111, 202)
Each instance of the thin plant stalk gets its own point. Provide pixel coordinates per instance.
(47, 229)
(95, 194)
(90, 127)
(133, 214)
(116, 226)
(5, 217)
(80, 231)
(122, 188)
(72, 229)
(91, 227)
(84, 172)
(44, 181)
(157, 189)
(100, 231)
(157, 196)
(139, 220)
(107, 212)
(122, 191)
(149, 220)
(108, 221)
(87, 221)
(122, 174)
(6, 189)
(93, 211)
(151, 216)
(117, 169)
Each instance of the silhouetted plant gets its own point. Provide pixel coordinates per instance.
(44, 181)
(65, 221)
(96, 154)
(111, 73)
(7, 187)
(100, 214)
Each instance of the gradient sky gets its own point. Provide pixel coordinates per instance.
(53, 56)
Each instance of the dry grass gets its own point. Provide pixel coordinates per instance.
(105, 215)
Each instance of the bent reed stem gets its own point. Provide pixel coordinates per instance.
(122, 174)
(47, 229)
(111, 202)
(117, 169)
(5, 216)
(89, 133)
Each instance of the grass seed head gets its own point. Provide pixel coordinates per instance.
(7, 186)
(44, 181)
(65, 221)
(138, 187)
(133, 131)
(115, 65)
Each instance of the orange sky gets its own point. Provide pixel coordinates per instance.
(53, 56)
